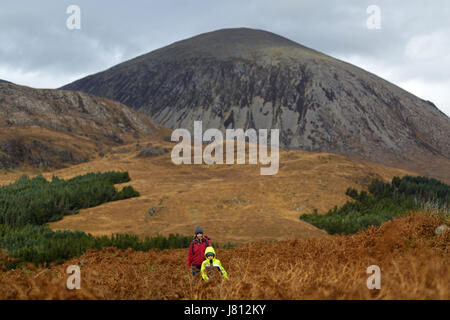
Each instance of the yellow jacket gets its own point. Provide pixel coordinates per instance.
(209, 266)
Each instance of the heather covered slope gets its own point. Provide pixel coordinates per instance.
(413, 262)
(246, 78)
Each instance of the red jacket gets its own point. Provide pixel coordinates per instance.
(197, 249)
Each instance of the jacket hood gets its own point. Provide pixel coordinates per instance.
(210, 250)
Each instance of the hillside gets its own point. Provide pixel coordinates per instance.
(53, 128)
(413, 262)
(246, 78)
(233, 203)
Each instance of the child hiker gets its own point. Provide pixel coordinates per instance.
(212, 266)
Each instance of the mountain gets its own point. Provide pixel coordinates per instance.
(245, 78)
(52, 128)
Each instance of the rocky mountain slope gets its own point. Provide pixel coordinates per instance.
(48, 128)
(245, 78)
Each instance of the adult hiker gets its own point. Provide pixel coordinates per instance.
(197, 249)
(212, 267)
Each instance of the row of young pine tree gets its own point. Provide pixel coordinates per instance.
(37, 201)
(383, 202)
(29, 203)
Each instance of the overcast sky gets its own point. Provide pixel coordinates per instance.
(411, 48)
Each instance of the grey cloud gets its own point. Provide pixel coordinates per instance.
(34, 37)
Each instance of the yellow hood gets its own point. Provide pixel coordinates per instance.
(210, 250)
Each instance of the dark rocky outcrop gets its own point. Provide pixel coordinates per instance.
(151, 151)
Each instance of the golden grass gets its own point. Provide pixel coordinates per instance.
(232, 202)
(414, 265)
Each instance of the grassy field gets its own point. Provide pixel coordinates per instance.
(233, 203)
(413, 262)
(278, 256)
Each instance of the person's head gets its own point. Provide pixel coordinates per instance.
(210, 253)
(198, 232)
